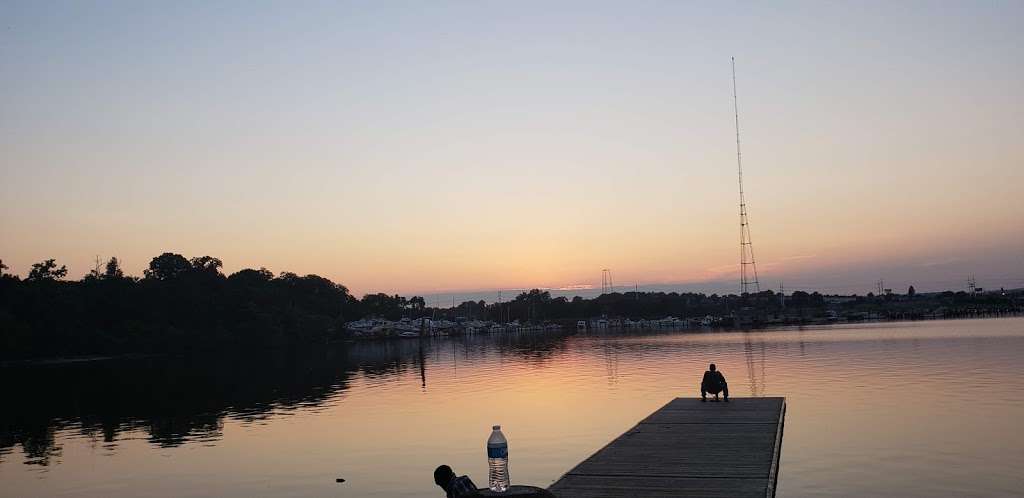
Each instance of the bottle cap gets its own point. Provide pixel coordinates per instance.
(496, 427)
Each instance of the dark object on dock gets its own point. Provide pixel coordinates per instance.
(688, 448)
(454, 487)
(713, 383)
(521, 491)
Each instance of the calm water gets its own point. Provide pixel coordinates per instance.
(909, 409)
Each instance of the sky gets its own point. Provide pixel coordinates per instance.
(447, 147)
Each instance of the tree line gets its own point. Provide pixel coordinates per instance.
(182, 304)
(178, 304)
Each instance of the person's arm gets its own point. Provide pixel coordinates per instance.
(463, 487)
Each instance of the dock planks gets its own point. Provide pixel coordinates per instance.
(688, 448)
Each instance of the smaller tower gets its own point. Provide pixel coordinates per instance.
(606, 281)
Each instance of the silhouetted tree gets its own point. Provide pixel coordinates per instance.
(2, 267)
(251, 277)
(113, 270)
(383, 305)
(911, 291)
(207, 264)
(167, 266)
(417, 303)
(47, 270)
(534, 296)
(800, 298)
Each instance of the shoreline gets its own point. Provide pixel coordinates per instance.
(71, 360)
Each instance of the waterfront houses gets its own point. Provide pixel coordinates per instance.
(426, 327)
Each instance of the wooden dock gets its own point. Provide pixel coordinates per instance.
(688, 448)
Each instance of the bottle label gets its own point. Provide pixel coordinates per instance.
(497, 452)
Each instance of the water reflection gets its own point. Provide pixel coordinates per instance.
(898, 409)
(174, 401)
(755, 368)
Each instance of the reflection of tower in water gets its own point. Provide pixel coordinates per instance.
(757, 386)
(611, 363)
(423, 369)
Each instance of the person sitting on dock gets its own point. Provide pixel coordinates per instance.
(454, 487)
(714, 383)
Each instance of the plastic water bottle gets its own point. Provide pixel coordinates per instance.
(497, 461)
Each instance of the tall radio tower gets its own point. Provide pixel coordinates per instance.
(606, 282)
(748, 269)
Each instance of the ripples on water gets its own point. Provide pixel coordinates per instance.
(906, 409)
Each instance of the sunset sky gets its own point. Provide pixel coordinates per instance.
(435, 147)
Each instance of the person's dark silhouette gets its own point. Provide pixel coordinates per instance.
(714, 383)
(454, 487)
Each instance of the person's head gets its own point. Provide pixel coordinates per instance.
(711, 367)
(443, 475)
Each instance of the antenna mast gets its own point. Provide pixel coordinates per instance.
(606, 281)
(748, 276)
